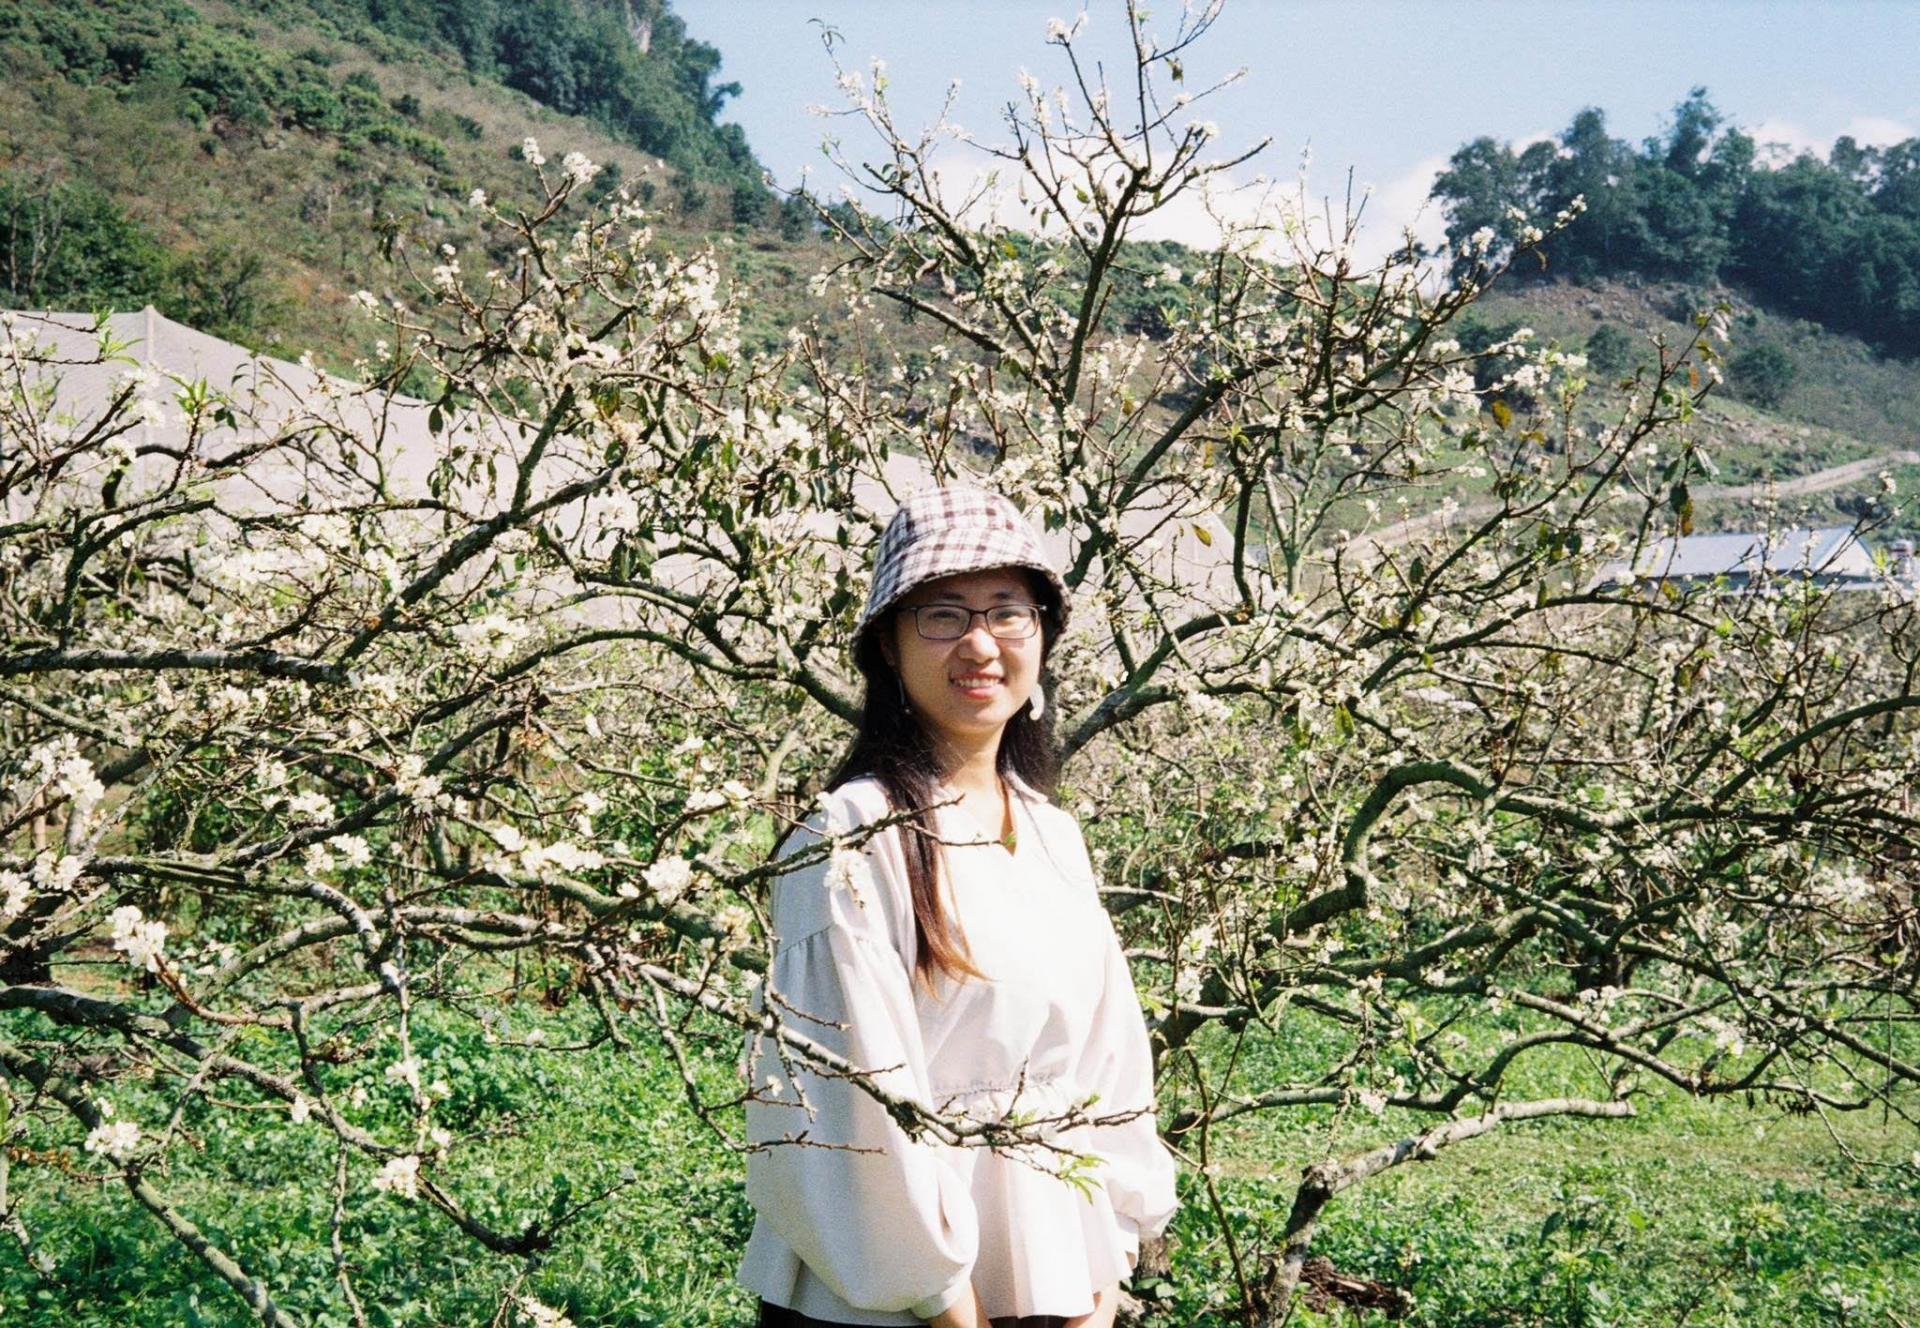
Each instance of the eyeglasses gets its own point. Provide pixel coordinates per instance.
(950, 622)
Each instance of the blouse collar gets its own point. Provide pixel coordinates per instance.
(1027, 791)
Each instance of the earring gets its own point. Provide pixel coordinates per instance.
(901, 684)
(1037, 702)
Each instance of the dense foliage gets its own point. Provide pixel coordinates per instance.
(209, 73)
(1837, 241)
(628, 65)
(576, 56)
(64, 244)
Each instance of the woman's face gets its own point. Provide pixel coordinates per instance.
(999, 675)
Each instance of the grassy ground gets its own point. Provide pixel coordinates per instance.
(1705, 1213)
(1844, 403)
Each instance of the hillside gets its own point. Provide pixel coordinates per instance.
(247, 164)
(1818, 431)
(1834, 238)
(243, 164)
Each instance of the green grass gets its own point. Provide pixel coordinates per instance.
(1711, 1211)
(1732, 1215)
(1717, 1212)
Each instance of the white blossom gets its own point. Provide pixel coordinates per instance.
(668, 878)
(14, 887)
(57, 874)
(139, 940)
(400, 1177)
(421, 789)
(542, 1316)
(491, 638)
(311, 805)
(353, 850)
(737, 922)
(116, 1139)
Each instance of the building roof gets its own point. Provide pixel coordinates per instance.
(264, 391)
(1831, 554)
(267, 392)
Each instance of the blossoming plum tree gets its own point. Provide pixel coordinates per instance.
(314, 726)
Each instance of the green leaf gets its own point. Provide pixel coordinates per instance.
(1682, 504)
(1343, 725)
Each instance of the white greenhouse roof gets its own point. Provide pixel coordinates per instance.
(267, 391)
(1827, 553)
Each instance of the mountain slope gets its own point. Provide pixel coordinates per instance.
(238, 163)
(243, 163)
(1832, 407)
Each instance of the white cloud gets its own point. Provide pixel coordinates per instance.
(1782, 140)
(1201, 218)
(1402, 204)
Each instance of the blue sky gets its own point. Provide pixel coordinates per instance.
(1388, 88)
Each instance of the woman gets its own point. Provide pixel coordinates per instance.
(963, 956)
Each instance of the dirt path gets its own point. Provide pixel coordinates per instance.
(1819, 481)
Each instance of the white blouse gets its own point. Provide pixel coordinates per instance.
(882, 1229)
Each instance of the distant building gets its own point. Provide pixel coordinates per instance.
(263, 393)
(1746, 562)
(1189, 552)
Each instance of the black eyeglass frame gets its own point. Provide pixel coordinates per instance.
(987, 613)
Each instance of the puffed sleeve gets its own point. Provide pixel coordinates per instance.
(1118, 1065)
(884, 1221)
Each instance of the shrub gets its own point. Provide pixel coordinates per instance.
(1612, 352)
(66, 244)
(1764, 375)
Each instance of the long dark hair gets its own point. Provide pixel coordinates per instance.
(891, 745)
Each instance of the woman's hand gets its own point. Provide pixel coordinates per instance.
(1106, 1304)
(966, 1312)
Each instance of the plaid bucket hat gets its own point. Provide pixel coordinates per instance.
(958, 528)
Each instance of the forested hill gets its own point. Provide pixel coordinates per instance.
(1834, 240)
(246, 165)
(243, 164)
(627, 65)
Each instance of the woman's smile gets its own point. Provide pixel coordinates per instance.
(978, 687)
